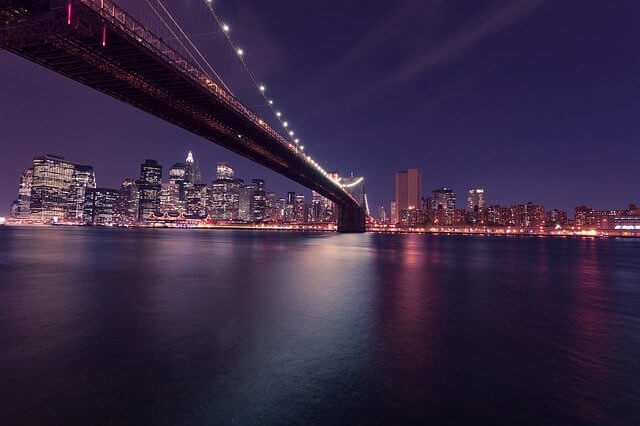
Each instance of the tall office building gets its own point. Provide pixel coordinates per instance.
(171, 201)
(100, 206)
(382, 215)
(443, 201)
(301, 210)
(83, 177)
(50, 187)
(225, 193)
(246, 202)
(271, 207)
(393, 213)
(476, 200)
(24, 193)
(197, 203)
(149, 186)
(191, 169)
(290, 207)
(259, 200)
(408, 191)
(127, 203)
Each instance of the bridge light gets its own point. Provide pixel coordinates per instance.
(270, 101)
(297, 140)
(291, 133)
(240, 52)
(69, 14)
(301, 147)
(262, 88)
(285, 124)
(278, 114)
(225, 27)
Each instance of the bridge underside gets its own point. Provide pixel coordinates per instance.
(95, 50)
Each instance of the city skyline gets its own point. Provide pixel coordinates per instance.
(548, 150)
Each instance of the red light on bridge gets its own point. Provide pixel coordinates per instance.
(104, 36)
(69, 14)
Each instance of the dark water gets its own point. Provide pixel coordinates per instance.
(202, 327)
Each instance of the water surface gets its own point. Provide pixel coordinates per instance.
(201, 327)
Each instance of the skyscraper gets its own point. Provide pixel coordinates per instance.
(100, 206)
(301, 210)
(170, 198)
(443, 201)
(290, 207)
(198, 200)
(382, 215)
(246, 202)
(259, 200)
(476, 199)
(192, 170)
(83, 177)
(50, 186)
(149, 186)
(127, 203)
(408, 191)
(225, 193)
(24, 193)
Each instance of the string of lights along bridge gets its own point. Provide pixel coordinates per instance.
(176, 61)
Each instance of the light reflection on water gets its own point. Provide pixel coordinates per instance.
(166, 326)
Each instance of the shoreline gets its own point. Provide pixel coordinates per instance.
(449, 230)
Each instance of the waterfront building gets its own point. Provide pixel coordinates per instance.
(382, 215)
(271, 207)
(408, 189)
(528, 215)
(15, 209)
(83, 177)
(393, 209)
(225, 194)
(100, 206)
(444, 201)
(170, 198)
(192, 170)
(499, 216)
(197, 203)
(476, 200)
(50, 187)
(259, 200)
(556, 217)
(127, 203)
(290, 208)
(246, 202)
(149, 187)
(301, 209)
(24, 193)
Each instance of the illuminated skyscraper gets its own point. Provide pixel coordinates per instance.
(259, 200)
(301, 210)
(127, 203)
(50, 187)
(83, 177)
(170, 200)
(198, 200)
(24, 193)
(246, 202)
(149, 186)
(100, 206)
(192, 170)
(443, 201)
(476, 200)
(225, 193)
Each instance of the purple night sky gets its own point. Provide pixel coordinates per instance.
(532, 100)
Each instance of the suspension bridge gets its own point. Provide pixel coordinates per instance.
(138, 51)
